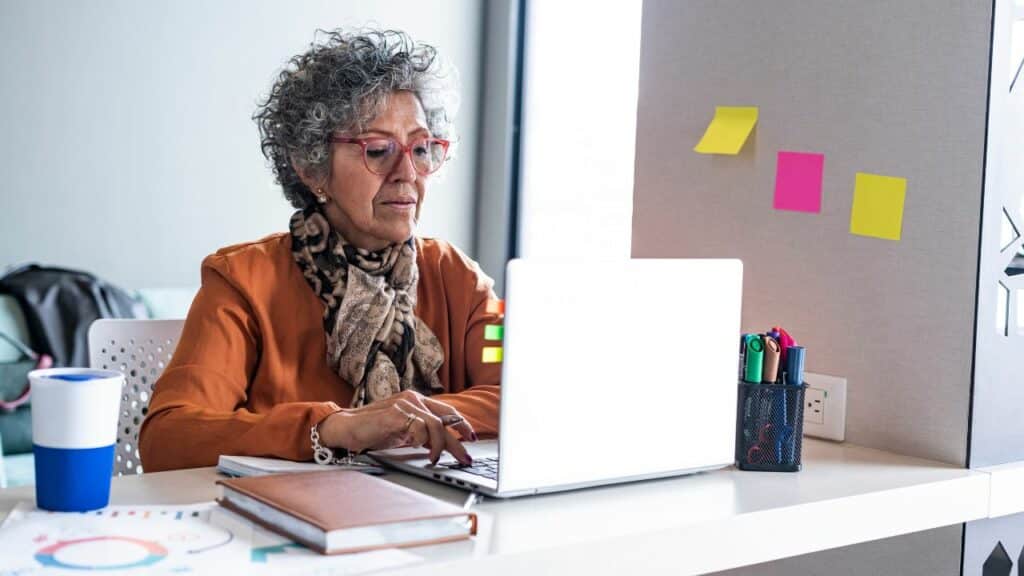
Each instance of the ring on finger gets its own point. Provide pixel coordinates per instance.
(409, 422)
(452, 419)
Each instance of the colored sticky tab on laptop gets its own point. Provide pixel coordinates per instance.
(492, 354)
(728, 130)
(494, 332)
(496, 307)
(878, 206)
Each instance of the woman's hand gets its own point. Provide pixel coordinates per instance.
(404, 419)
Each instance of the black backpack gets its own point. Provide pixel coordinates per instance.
(60, 304)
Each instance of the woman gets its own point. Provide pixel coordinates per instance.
(348, 333)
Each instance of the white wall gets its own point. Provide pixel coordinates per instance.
(127, 146)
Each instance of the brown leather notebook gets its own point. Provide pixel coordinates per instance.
(343, 511)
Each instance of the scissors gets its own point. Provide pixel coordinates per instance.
(768, 448)
(762, 451)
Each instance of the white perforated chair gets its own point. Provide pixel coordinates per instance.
(139, 349)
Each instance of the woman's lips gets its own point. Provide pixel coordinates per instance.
(401, 205)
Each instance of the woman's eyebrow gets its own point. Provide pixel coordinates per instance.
(392, 134)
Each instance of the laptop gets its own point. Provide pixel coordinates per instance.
(613, 371)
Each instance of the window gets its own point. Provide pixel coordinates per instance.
(579, 127)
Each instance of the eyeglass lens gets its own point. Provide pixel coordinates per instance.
(383, 154)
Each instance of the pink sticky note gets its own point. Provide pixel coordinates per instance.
(798, 182)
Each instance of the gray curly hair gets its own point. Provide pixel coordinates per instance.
(341, 84)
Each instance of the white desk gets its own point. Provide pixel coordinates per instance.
(701, 523)
(1006, 496)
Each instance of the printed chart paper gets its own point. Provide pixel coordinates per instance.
(200, 538)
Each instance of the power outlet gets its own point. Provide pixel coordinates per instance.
(825, 406)
(814, 406)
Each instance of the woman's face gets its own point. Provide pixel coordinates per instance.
(375, 210)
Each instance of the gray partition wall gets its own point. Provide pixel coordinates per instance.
(898, 88)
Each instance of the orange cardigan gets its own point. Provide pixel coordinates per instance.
(250, 377)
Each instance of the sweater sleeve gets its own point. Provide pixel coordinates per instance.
(197, 411)
(479, 401)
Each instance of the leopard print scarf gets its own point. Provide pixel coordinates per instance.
(374, 341)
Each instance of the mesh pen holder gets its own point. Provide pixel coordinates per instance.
(769, 427)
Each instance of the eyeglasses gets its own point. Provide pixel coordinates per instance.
(381, 155)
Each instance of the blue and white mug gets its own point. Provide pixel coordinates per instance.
(74, 431)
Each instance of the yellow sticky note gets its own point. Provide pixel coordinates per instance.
(878, 206)
(728, 130)
(492, 354)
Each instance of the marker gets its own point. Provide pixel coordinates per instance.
(755, 361)
(771, 360)
(785, 342)
(795, 366)
(744, 338)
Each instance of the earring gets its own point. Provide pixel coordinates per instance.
(320, 196)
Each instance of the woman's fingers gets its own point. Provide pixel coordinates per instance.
(435, 407)
(400, 431)
(429, 430)
(434, 430)
(411, 419)
(456, 449)
(443, 410)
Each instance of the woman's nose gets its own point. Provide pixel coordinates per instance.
(404, 171)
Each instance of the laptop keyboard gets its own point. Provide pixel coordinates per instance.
(486, 467)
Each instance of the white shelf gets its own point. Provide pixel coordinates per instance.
(700, 523)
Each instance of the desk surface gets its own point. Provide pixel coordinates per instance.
(693, 524)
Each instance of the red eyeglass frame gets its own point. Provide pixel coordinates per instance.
(406, 151)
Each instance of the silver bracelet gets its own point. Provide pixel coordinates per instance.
(324, 455)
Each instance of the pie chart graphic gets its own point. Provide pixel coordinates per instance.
(101, 553)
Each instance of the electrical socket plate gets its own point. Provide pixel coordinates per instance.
(825, 406)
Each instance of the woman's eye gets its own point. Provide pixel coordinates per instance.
(377, 152)
(420, 150)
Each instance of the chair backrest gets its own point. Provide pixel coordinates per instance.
(139, 349)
